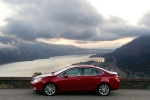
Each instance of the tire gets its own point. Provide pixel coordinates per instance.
(103, 89)
(50, 89)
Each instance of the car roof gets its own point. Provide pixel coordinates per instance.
(85, 66)
(79, 66)
(88, 66)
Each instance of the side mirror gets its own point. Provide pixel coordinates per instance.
(65, 75)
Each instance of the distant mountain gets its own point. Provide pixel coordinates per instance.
(134, 57)
(12, 50)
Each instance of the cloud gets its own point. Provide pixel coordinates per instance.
(68, 19)
(7, 43)
(6, 46)
(20, 29)
(144, 21)
(72, 19)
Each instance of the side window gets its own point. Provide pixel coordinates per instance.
(91, 71)
(99, 72)
(74, 72)
(61, 75)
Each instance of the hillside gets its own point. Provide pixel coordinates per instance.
(12, 50)
(134, 57)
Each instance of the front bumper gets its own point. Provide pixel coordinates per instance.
(37, 86)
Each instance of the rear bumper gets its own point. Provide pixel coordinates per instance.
(115, 88)
(115, 85)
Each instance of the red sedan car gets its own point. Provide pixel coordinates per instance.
(77, 78)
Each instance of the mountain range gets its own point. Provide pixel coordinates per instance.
(134, 57)
(13, 50)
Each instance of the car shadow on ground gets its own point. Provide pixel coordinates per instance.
(76, 94)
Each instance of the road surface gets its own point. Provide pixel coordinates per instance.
(27, 94)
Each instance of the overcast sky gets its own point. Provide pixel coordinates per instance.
(83, 23)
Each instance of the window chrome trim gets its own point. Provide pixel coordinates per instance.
(81, 74)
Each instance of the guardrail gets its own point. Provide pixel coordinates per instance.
(24, 82)
(15, 82)
(135, 83)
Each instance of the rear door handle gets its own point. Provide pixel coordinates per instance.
(96, 77)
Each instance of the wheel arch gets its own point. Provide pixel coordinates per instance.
(50, 83)
(104, 83)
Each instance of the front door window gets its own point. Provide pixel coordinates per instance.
(74, 72)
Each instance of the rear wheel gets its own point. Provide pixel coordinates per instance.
(103, 89)
(50, 89)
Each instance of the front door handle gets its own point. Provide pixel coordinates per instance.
(77, 78)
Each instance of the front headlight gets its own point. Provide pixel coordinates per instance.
(36, 80)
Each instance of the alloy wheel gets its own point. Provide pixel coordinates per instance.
(103, 89)
(50, 89)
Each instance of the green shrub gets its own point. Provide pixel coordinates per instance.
(36, 74)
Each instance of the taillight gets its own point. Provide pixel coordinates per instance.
(116, 78)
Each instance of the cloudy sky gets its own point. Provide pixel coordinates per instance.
(83, 23)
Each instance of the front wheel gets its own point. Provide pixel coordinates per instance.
(103, 89)
(50, 89)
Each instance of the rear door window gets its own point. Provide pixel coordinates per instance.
(91, 71)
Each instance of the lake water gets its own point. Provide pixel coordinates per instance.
(27, 68)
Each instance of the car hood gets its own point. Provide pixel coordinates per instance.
(44, 75)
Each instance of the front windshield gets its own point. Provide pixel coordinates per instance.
(61, 70)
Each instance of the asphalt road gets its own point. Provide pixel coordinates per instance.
(27, 94)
